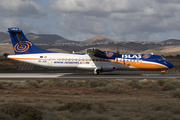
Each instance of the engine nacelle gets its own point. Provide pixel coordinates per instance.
(108, 68)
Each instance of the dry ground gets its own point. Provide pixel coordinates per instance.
(96, 99)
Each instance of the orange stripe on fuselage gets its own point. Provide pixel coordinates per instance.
(143, 66)
(147, 66)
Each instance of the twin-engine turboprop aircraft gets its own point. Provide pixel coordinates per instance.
(94, 59)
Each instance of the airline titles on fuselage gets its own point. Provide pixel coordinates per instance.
(131, 56)
(69, 62)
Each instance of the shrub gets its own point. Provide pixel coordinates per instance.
(170, 79)
(95, 117)
(5, 117)
(160, 107)
(26, 100)
(168, 86)
(155, 86)
(160, 115)
(176, 94)
(89, 116)
(75, 92)
(99, 107)
(8, 92)
(122, 85)
(48, 92)
(100, 90)
(19, 85)
(161, 82)
(146, 87)
(59, 84)
(4, 84)
(175, 83)
(75, 107)
(33, 84)
(97, 83)
(175, 110)
(1, 86)
(93, 83)
(64, 92)
(52, 116)
(25, 85)
(114, 89)
(39, 80)
(21, 111)
(80, 84)
(110, 88)
(71, 85)
(136, 84)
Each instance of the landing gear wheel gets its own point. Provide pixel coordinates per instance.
(96, 71)
(162, 73)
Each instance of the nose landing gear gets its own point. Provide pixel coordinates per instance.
(163, 72)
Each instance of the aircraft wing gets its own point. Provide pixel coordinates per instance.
(93, 52)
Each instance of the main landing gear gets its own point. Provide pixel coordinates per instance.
(96, 71)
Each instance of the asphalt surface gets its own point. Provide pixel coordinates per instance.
(84, 76)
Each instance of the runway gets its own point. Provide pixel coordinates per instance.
(80, 76)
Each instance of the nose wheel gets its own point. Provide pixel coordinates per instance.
(162, 72)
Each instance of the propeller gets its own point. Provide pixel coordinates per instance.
(117, 52)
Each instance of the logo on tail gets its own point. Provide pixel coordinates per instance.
(22, 46)
(110, 54)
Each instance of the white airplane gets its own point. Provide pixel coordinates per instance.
(94, 59)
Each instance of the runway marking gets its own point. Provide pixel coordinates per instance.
(85, 76)
(32, 75)
(150, 74)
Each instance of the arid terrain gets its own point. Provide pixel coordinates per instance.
(131, 48)
(96, 99)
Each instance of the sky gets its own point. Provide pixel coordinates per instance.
(79, 20)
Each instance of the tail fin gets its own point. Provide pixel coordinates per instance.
(22, 45)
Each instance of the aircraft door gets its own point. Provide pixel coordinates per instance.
(137, 61)
(49, 62)
(123, 60)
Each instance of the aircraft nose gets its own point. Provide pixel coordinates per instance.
(170, 65)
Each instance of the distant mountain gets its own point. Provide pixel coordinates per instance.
(45, 38)
(4, 37)
(171, 40)
(35, 38)
(98, 38)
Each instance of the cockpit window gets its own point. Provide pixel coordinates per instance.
(161, 58)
